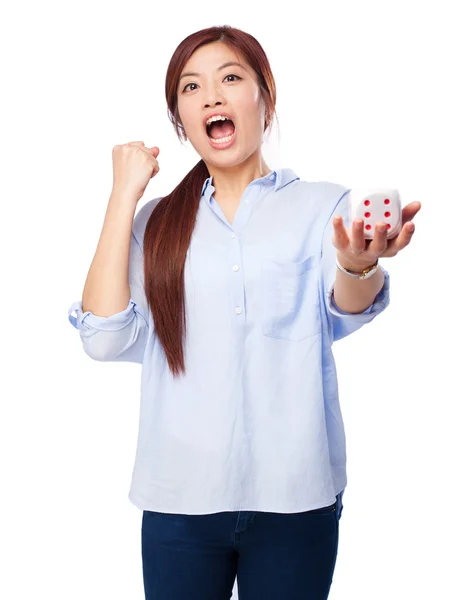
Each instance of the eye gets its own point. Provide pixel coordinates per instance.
(231, 75)
(183, 90)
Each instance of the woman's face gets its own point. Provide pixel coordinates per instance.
(232, 89)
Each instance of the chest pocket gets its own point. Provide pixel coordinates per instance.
(290, 298)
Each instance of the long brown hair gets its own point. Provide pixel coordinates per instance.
(170, 225)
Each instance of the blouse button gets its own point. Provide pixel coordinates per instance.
(235, 268)
(238, 310)
(233, 235)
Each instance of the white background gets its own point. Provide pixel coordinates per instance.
(369, 92)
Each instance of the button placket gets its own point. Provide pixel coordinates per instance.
(235, 253)
(237, 279)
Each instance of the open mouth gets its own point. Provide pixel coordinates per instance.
(221, 131)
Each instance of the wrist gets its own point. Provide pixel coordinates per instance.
(124, 196)
(362, 273)
(354, 265)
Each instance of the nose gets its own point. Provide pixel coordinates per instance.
(213, 96)
(211, 103)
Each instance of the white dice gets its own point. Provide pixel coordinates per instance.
(373, 205)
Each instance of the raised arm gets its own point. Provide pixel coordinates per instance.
(112, 316)
(107, 290)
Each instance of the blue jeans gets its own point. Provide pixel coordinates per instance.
(275, 556)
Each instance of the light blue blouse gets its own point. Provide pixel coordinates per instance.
(255, 424)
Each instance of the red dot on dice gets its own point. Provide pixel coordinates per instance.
(367, 215)
(389, 226)
(386, 201)
(368, 227)
(367, 202)
(387, 214)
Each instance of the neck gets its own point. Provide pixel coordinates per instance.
(230, 182)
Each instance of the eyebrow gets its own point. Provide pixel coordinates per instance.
(223, 66)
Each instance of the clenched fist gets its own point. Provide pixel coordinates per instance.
(133, 166)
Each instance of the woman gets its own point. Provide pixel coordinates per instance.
(228, 294)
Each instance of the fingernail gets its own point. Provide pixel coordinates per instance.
(381, 228)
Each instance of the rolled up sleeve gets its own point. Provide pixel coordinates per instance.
(123, 335)
(342, 323)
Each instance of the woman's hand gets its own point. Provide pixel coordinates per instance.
(355, 253)
(133, 165)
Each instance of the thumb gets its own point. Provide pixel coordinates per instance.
(154, 151)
